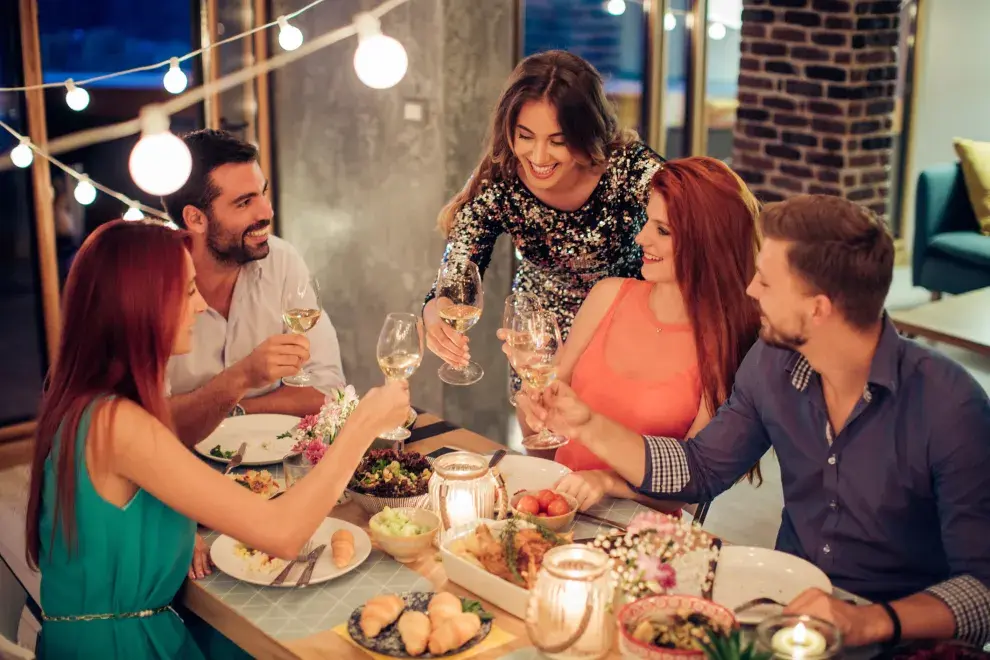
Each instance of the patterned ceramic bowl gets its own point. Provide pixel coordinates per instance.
(373, 504)
(406, 549)
(657, 606)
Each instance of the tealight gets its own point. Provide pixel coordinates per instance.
(799, 637)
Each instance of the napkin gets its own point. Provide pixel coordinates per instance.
(497, 637)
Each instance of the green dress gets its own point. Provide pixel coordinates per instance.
(124, 561)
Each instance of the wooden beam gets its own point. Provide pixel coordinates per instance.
(41, 176)
(696, 21)
(655, 121)
(261, 91)
(211, 60)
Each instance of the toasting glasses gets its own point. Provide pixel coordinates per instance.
(534, 356)
(459, 302)
(516, 307)
(301, 310)
(400, 352)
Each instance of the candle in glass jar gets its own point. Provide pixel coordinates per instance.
(798, 642)
(460, 508)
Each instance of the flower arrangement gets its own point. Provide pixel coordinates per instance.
(314, 433)
(645, 556)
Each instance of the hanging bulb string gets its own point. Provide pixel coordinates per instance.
(158, 65)
(195, 95)
(150, 212)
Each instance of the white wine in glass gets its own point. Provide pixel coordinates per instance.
(460, 299)
(301, 311)
(400, 352)
(516, 305)
(534, 357)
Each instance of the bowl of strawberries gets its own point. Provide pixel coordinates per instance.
(552, 510)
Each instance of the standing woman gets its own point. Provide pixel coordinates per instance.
(561, 178)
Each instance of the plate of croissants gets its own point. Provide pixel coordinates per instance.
(419, 624)
(347, 546)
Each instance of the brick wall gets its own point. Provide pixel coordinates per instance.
(816, 98)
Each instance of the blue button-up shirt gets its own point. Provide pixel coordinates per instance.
(896, 502)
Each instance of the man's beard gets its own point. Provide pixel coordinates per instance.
(230, 248)
(774, 337)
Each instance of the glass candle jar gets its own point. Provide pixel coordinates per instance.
(569, 613)
(801, 637)
(463, 489)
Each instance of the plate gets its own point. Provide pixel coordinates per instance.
(530, 473)
(388, 642)
(255, 430)
(745, 573)
(222, 554)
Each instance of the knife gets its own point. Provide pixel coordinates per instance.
(237, 459)
(603, 521)
(308, 573)
(285, 571)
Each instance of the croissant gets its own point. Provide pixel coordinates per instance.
(443, 606)
(454, 633)
(342, 547)
(414, 629)
(380, 612)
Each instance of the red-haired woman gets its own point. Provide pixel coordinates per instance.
(114, 494)
(660, 354)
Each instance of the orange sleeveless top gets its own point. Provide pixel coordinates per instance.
(637, 371)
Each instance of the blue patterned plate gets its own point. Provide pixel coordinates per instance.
(390, 643)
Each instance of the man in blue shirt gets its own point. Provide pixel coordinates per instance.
(883, 444)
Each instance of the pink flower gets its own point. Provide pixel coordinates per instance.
(654, 570)
(652, 521)
(308, 422)
(314, 451)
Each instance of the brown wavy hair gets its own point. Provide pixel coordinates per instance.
(587, 119)
(713, 222)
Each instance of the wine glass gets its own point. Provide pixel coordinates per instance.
(534, 357)
(459, 302)
(516, 306)
(300, 311)
(400, 352)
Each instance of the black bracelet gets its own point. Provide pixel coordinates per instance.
(895, 639)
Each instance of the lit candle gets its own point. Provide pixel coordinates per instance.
(460, 507)
(798, 642)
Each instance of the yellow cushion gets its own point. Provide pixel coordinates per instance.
(975, 159)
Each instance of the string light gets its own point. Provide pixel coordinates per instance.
(616, 7)
(716, 31)
(175, 80)
(669, 21)
(21, 155)
(289, 36)
(133, 213)
(160, 162)
(77, 98)
(380, 61)
(85, 192)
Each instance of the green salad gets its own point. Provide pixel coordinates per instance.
(220, 453)
(395, 523)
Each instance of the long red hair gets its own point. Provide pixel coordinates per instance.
(121, 311)
(713, 222)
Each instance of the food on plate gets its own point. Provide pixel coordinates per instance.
(342, 547)
(443, 606)
(391, 473)
(454, 633)
(261, 482)
(414, 630)
(396, 523)
(220, 453)
(516, 555)
(258, 561)
(683, 630)
(379, 612)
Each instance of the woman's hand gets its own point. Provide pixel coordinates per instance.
(445, 342)
(384, 408)
(202, 565)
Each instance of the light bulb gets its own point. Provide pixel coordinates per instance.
(175, 80)
(76, 98)
(716, 31)
(85, 193)
(134, 213)
(616, 7)
(21, 155)
(289, 36)
(160, 162)
(669, 21)
(380, 61)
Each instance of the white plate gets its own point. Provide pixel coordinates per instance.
(746, 573)
(222, 554)
(530, 473)
(254, 430)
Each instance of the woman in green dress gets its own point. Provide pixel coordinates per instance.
(115, 496)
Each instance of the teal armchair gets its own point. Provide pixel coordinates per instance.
(950, 253)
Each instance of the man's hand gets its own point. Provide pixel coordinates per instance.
(566, 415)
(860, 625)
(275, 358)
(588, 487)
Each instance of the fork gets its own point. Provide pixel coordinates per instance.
(302, 556)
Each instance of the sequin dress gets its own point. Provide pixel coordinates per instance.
(563, 253)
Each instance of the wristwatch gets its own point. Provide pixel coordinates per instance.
(237, 411)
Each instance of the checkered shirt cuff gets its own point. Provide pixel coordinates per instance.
(667, 469)
(969, 600)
